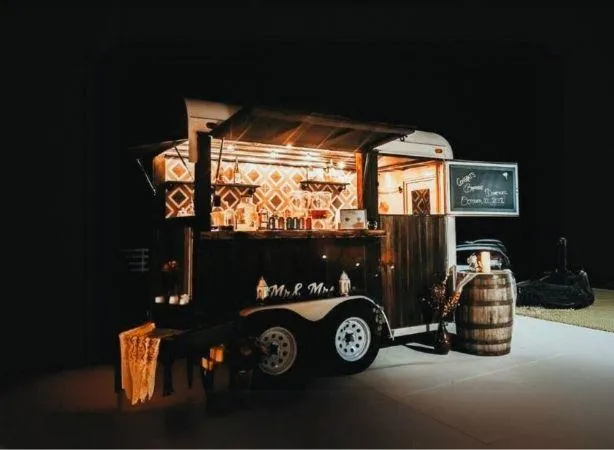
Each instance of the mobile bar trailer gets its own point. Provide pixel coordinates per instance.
(318, 236)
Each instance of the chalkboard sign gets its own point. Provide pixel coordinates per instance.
(482, 189)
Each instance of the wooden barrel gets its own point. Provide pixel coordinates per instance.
(485, 314)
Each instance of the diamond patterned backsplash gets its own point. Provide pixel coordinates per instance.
(277, 184)
(179, 201)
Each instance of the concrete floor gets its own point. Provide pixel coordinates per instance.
(554, 390)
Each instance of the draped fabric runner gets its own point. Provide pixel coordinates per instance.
(139, 349)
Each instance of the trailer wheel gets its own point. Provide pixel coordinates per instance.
(284, 354)
(281, 350)
(355, 339)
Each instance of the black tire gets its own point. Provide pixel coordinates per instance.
(352, 339)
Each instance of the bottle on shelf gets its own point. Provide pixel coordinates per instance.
(263, 218)
(236, 175)
(255, 215)
(272, 225)
(217, 214)
(328, 175)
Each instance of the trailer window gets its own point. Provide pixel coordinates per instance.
(408, 185)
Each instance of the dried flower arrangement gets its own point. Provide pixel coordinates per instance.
(438, 299)
(443, 304)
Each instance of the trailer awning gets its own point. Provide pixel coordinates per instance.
(272, 126)
(277, 127)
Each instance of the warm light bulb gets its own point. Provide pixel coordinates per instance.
(341, 165)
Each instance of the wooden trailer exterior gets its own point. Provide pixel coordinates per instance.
(390, 264)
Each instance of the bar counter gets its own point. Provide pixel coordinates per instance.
(291, 234)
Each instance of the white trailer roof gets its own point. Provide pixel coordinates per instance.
(420, 144)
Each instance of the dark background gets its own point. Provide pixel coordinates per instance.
(525, 85)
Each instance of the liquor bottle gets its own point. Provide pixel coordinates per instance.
(281, 223)
(263, 218)
(301, 223)
(217, 214)
(236, 176)
(328, 175)
(308, 223)
(255, 215)
(272, 225)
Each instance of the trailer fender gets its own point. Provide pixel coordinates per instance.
(316, 310)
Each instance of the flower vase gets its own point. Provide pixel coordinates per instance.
(443, 342)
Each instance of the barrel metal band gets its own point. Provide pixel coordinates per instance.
(480, 352)
(485, 342)
(483, 326)
(493, 303)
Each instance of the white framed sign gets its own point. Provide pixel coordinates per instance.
(481, 188)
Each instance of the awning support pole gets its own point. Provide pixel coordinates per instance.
(151, 186)
(202, 182)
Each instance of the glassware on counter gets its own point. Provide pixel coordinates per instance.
(229, 219)
(245, 215)
(321, 200)
(300, 201)
(320, 205)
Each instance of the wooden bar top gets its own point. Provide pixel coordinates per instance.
(291, 234)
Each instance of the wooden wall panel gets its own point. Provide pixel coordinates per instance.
(413, 257)
(229, 270)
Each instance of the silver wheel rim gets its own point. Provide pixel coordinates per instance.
(352, 339)
(281, 350)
